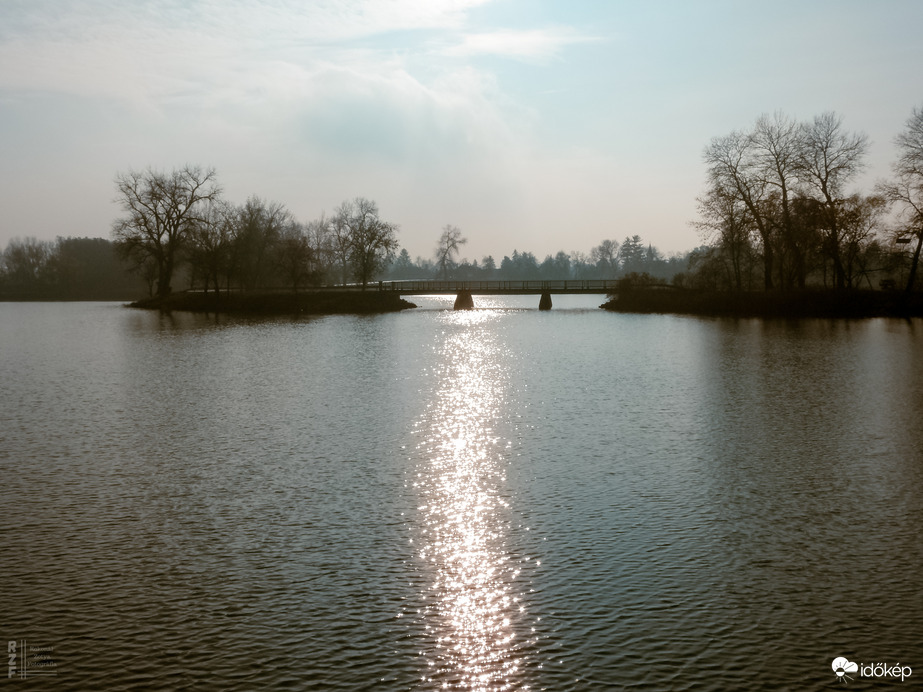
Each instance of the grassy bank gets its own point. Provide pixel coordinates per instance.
(277, 303)
(813, 303)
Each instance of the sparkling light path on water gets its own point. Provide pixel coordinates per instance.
(472, 607)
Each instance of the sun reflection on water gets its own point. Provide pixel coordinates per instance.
(471, 607)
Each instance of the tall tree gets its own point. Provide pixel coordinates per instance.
(161, 211)
(210, 243)
(294, 255)
(732, 173)
(371, 241)
(777, 143)
(828, 159)
(860, 218)
(906, 188)
(259, 226)
(631, 254)
(562, 267)
(449, 243)
(341, 238)
(726, 222)
(320, 239)
(489, 266)
(605, 257)
(402, 267)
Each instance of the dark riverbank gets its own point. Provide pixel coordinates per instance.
(769, 304)
(301, 303)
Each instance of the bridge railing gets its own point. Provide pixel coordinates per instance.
(424, 286)
(418, 287)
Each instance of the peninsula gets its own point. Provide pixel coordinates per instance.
(279, 303)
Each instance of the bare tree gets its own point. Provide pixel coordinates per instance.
(259, 225)
(449, 243)
(294, 255)
(320, 240)
(580, 264)
(726, 221)
(606, 257)
(341, 238)
(829, 158)
(860, 219)
(370, 241)
(906, 188)
(161, 211)
(777, 143)
(211, 241)
(561, 264)
(732, 173)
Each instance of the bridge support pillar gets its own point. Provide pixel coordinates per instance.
(464, 301)
(545, 302)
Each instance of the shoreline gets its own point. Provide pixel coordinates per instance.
(786, 305)
(275, 303)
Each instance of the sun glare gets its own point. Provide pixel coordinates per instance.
(471, 604)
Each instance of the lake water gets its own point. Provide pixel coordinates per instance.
(486, 500)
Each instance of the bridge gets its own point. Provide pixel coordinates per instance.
(464, 290)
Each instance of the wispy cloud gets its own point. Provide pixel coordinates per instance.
(152, 51)
(534, 45)
(319, 19)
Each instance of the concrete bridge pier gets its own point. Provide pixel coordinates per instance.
(464, 301)
(544, 302)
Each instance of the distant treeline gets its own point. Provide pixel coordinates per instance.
(95, 269)
(66, 269)
(608, 260)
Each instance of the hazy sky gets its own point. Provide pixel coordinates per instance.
(532, 125)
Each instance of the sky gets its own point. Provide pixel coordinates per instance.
(533, 125)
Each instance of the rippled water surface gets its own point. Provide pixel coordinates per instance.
(486, 500)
